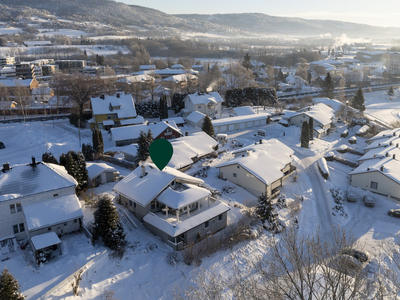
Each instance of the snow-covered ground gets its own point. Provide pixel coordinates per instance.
(67, 32)
(144, 273)
(382, 106)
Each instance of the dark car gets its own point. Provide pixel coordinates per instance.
(394, 213)
(2, 145)
(362, 256)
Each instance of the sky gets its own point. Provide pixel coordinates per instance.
(373, 12)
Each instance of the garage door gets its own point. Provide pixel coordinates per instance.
(231, 127)
(249, 124)
(242, 125)
(257, 123)
(224, 128)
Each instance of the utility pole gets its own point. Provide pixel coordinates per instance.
(79, 126)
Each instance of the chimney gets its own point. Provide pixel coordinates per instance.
(387, 154)
(6, 167)
(390, 143)
(368, 169)
(397, 145)
(118, 95)
(186, 133)
(382, 168)
(33, 160)
(379, 144)
(143, 169)
(260, 141)
(102, 97)
(166, 121)
(394, 156)
(248, 152)
(394, 133)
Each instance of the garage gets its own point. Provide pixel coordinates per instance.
(224, 128)
(232, 127)
(256, 123)
(242, 126)
(249, 124)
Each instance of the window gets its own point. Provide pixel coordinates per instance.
(65, 224)
(153, 205)
(374, 185)
(173, 136)
(55, 195)
(15, 228)
(21, 227)
(76, 221)
(234, 175)
(12, 208)
(198, 106)
(238, 167)
(134, 204)
(49, 229)
(220, 217)
(19, 207)
(207, 224)
(130, 203)
(108, 117)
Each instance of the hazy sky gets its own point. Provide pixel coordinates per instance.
(374, 12)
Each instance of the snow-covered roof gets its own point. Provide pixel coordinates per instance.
(172, 72)
(130, 149)
(45, 240)
(177, 120)
(148, 67)
(16, 82)
(380, 152)
(135, 121)
(234, 120)
(50, 212)
(133, 132)
(23, 180)
(243, 111)
(122, 106)
(363, 129)
(136, 79)
(320, 112)
(189, 223)
(255, 163)
(143, 190)
(391, 141)
(41, 91)
(289, 114)
(391, 167)
(386, 134)
(108, 122)
(335, 104)
(181, 197)
(37, 43)
(195, 117)
(181, 78)
(177, 66)
(95, 169)
(205, 98)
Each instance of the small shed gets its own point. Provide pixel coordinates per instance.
(222, 138)
(101, 173)
(45, 246)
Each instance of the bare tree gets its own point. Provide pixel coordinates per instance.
(3, 96)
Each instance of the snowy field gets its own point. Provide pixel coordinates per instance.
(143, 273)
(67, 32)
(382, 106)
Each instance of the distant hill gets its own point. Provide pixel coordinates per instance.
(271, 25)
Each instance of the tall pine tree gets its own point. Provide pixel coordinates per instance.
(311, 128)
(163, 107)
(145, 140)
(358, 101)
(48, 157)
(9, 287)
(107, 225)
(97, 140)
(208, 126)
(265, 211)
(305, 136)
(328, 87)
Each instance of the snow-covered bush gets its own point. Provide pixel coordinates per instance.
(323, 167)
(353, 140)
(342, 149)
(362, 131)
(329, 156)
(281, 202)
(338, 195)
(201, 173)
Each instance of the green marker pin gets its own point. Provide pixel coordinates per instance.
(161, 152)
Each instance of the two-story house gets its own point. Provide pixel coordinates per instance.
(206, 103)
(114, 111)
(172, 205)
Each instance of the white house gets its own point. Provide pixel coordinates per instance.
(206, 103)
(37, 198)
(383, 143)
(240, 122)
(242, 111)
(101, 173)
(172, 205)
(380, 152)
(259, 168)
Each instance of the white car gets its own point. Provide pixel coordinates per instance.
(351, 196)
(369, 201)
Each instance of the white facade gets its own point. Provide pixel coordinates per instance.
(209, 104)
(239, 123)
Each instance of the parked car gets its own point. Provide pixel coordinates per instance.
(2, 146)
(351, 196)
(237, 143)
(369, 201)
(362, 256)
(394, 213)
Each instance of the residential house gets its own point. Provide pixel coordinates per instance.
(114, 111)
(240, 122)
(172, 205)
(179, 121)
(259, 168)
(101, 173)
(181, 81)
(37, 43)
(130, 134)
(206, 103)
(195, 119)
(241, 111)
(42, 94)
(70, 65)
(7, 61)
(37, 198)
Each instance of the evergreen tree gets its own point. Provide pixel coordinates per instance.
(163, 107)
(309, 78)
(246, 61)
(177, 103)
(208, 126)
(311, 128)
(83, 175)
(107, 224)
(63, 160)
(391, 91)
(88, 152)
(9, 287)
(358, 101)
(101, 142)
(143, 146)
(48, 157)
(265, 210)
(97, 140)
(72, 166)
(328, 87)
(305, 136)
